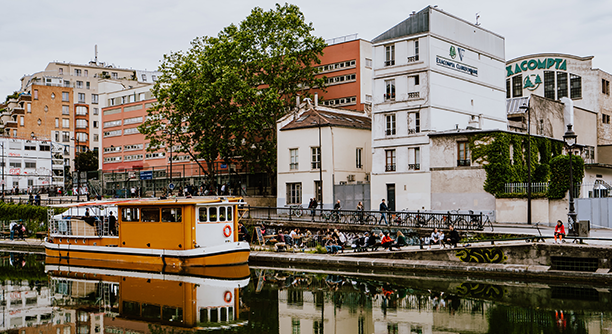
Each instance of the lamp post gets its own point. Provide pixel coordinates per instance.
(528, 109)
(76, 148)
(169, 133)
(3, 182)
(570, 140)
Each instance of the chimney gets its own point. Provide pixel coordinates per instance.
(297, 102)
(316, 100)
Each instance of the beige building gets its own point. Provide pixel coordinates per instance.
(342, 155)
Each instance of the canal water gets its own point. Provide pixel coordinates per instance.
(58, 298)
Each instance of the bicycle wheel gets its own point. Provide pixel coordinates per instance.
(369, 219)
(461, 224)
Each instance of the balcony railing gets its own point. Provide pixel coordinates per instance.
(389, 97)
(414, 166)
(390, 62)
(463, 162)
(413, 95)
(412, 59)
(293, 166)
(390, 168)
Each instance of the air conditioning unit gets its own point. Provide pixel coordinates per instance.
(350, 177)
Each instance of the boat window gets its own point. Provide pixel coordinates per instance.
(150, 215)
(229, 213)
(212, 214)
(222, 214)
(214, 315)
(174, 314)
(130, 214)
(131, 308)
(171, 215)
(223, 314)
(151, 311)
(203, 214)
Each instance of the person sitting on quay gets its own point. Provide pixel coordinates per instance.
(332, 245)
(559, 231)
(386, 242)
(452, 238)
(435, 238)
(400, 240)
(373, 241)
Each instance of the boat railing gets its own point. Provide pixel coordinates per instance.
(88, 227)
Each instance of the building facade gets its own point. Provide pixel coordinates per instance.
(432, 72)
(321, 148)
(346, 65)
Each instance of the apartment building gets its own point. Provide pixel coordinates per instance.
(432, 72)
(346, 65)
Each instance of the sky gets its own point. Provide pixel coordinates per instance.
(137, 33)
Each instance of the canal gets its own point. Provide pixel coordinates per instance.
(39, 297)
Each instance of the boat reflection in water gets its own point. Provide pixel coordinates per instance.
(121, 301)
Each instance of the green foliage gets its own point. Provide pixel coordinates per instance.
(33, 216)
(559, 181)
(504, 158)
(223, 96)
(86, 161)
(12, 96)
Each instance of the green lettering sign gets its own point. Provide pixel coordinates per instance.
(563, 65)
(509, 71)
(549, 62)
(532, 64)
(541, 64)
(557, 62)
(524, 65)
(517, 69)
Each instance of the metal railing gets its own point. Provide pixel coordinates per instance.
(77, 227)
(521, 188)
(412, 219)
(598, 189)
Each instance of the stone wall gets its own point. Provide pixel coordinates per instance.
(543, 210)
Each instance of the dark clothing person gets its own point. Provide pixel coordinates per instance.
(452, 238)
(243, 233)
(112, 224)
(383, 208)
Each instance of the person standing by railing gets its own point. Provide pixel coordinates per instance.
(337, 208)
(383, 208)
(360, 212)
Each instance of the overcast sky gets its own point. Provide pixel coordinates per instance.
(137, 33)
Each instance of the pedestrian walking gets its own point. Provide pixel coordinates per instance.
(383, 208)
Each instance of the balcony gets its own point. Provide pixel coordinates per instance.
(18, 111)
(390, 168)
(463, 162)
(413, 59)
(413, 95)
(414, 166)
(10, 124)
(390, 62)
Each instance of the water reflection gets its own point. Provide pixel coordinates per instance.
(62, 299)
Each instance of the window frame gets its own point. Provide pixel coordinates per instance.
(390, 160)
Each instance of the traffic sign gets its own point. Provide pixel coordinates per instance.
(171, 186)
(146, 175)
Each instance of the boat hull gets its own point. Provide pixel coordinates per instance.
(235, 253)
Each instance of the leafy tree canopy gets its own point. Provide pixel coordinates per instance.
(86, 161)
(223, 96)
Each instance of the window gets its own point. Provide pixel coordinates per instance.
(57, 122)
(416, 49)
(293, 156)
(65, 122)
(96, 138)
(368, 63)
(60, 71)
(417, 122)
(605, 87)
(15, 164)
(132, 147)
(52, 96)
(575, 87)
(344, 101)
(30, 164)
(171, 215)
(417, 158)
(390, 55)
(508, 89)
(113, 133)
(81, 124)
(29, 147)
(561, 85)
(57, 133)
(340, 79)
(339, 66)
(417, 80)
(294, 193)
(79, 84)
(517, 86)
(390, 125)
(112, 149)
(358, 154)
(110, 124)
(66, 83)
(463, 154)
(36, 94)
(94, 98)
(132, 120)
(65, 110)
(45, 148)
(549, 84)
(157, 155)
(81, 136)
(81, 97)
(154, 77)
(144, 77)
(66, 96)
(112, 159)
(65, 136)
(86, 73)
(77, 72)
(605, 119)
(81, 110)
(95, 111)
(130, 131)
(95, 124)
(115, 75)
(389, 90)
(21, 120)
(389, 160)
(29, 107)
(315, 162)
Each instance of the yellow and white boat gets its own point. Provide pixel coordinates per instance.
(150, 233)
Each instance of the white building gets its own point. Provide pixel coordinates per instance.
(344, 160)
(30, 163)
(432, 72)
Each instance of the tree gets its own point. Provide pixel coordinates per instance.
(86, 161)
(222, 98)
(559, 180)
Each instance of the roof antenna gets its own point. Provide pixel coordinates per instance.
(96, 54)
(477, 17)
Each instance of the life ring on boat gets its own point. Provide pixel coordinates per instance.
(227, 230)
(228, 297)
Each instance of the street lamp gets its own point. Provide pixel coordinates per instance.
(2, 171)
(76, 147)
(169, 133)
(570, 140)
(525, 107)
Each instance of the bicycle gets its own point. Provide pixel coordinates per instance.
(296, 210)
(361, 218)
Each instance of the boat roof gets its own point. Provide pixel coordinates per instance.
(153, 202)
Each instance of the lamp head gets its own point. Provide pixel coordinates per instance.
(570, 136)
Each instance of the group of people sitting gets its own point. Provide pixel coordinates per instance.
(439, 238)
(375, 240)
